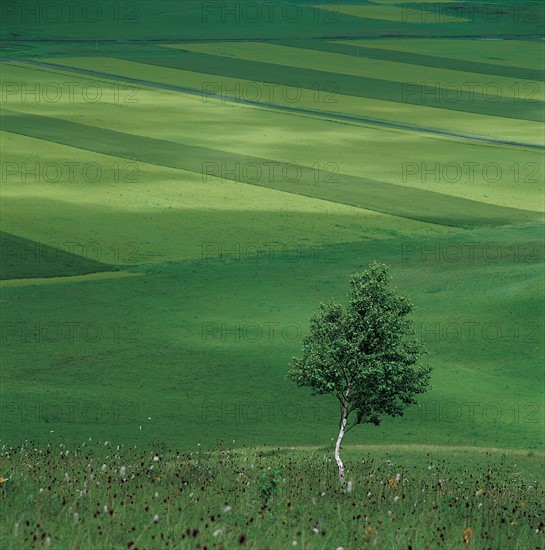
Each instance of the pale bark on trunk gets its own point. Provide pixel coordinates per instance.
(341, 435)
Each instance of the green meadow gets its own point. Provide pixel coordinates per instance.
(182, 183)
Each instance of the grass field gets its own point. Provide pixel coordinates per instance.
(182, 186)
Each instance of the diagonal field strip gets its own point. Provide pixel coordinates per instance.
(416, 59)
(332, 116)
(373, 88)
(361, 192)
(23, 258)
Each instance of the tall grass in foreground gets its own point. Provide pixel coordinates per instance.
(104, 496)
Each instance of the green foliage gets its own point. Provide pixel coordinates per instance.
(269, 483)
(367, 350)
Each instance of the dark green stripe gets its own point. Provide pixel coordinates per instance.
(24, 258)
(417, 59)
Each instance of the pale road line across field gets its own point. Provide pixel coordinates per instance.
(62, 279)
(328, 115)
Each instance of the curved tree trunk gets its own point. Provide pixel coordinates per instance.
(342, 429)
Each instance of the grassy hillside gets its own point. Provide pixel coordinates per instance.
(182, 186)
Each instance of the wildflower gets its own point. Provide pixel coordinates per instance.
(514, 522)
(479, 492)
(392, 482)
(155, 518)
(349, 487)
(294, 543)
(217, 532)
(155, 458)
(468, 535)
(523, 504)
(396, 498)
(103, 468)
(315, 531)
(226, 510)
(3, 480)
(123, 472)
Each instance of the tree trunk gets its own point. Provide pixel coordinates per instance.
(342, 429)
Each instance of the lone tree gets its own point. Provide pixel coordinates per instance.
(365, 354)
